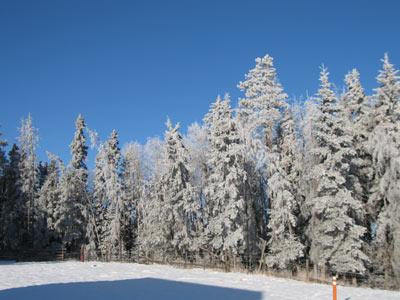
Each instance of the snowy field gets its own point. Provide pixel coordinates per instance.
(122, 281)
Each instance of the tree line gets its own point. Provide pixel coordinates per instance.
(269, 181)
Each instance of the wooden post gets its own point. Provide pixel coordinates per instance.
(82, 256)
(334, 287)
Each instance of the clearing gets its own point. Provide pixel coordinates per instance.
(122, 281)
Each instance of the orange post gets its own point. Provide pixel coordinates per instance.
(334, 288)
(82, 254)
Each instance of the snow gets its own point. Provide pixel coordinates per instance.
(119, 281)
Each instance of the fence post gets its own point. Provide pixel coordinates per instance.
(334, 287)
(82, 254)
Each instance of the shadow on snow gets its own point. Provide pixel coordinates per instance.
(132, 289)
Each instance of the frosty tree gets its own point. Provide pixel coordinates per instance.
(356, 109)
(114, 198)
(12, 209)
(177, 193)
(196, 141)
(227, 231)
(72, 214)
(258, 116)
(50, 197)
(99, 199)
(336, 238)
(261, 108)
(385, 149)
(132, 179)
(28, 140)
(284, 245)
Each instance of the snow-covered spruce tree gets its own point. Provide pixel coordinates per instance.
(118, 215)
(196, 141)
(284, 246)
(177, 195)
(91, 234)
(357, 114)
(49, 197)
(72, 214)
(258, 114)
(113, 194)
(8, 199)
(132, 180)
(150, 236)
(264, 99)
(356, 108)
(11, 210)
(336, 238)
(227, 230)
(3, 199)
(28, 140)
(99, 199)
(385, 150)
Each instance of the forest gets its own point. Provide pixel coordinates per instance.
(271, 184)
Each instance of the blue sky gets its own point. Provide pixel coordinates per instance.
(129, 64)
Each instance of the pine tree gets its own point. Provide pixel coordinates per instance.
(3, 198)
(115, 199)
(336, 238)
(265, 98)
(385, 150)
(132, 179)
(99, 199)
(258, 115)
(28, 140)
(226, 229)
(197, 144)
(91, 232)
(177, 194)
(50, 197)
(358, 117)
(284, 245)
(13, 211)
(78, 146)
(150, 237)
(72, 215)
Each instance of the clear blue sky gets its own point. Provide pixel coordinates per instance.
(129, 64)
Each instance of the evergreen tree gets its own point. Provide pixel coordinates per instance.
(115, 199)
(99, 199)
(132, 179)
(258, 115)
(177, 195)
(72, 215)
(385, 150)
(28, 169)
(265, 99)
(336, 238)
(358, 117)
(226, 230)
(149, 209)
(284, 245)
(196, 142)
(3, 198)
(50, 197)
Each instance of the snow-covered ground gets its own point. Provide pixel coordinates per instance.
(120, 281)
